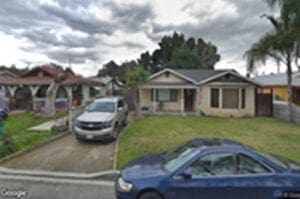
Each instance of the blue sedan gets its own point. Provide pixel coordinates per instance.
(210, 169)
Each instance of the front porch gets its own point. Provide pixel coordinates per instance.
(168, 99)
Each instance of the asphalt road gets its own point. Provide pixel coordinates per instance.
(48, 188)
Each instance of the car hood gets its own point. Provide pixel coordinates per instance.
(95, 117)
(144, 167)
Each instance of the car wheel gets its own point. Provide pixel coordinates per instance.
(150, 195)
(116, 132)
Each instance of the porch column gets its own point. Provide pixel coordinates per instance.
(182, 101)
(220, 98)
(70, 96)
(154, 100)
(240, 98)
(12, 90)
(198, 101)
(34, 90)
(85, 93)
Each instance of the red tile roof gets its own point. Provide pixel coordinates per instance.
(28, 79)
(46, 69)
(47, 80)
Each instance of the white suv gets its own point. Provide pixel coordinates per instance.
(102, 120)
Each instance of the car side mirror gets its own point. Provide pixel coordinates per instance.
(187, 174)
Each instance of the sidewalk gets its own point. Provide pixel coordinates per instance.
(48, 125)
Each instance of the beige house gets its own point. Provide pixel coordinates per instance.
(223, 93)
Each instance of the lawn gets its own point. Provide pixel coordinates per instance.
(17, 126)
(157, 134)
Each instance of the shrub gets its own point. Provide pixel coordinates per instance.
(7, 146)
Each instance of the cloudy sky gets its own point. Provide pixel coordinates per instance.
(88, 33)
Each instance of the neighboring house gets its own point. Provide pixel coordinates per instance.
(222, 93)
(277, 84)
(28, 91)
(6, 74)
(109, 85)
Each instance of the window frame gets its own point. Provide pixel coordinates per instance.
(256, 161)
(172, 98)
(238, 98)
(213, 153)
(218, 97)
(236, 175)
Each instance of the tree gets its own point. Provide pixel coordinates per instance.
(137, 77)
(282, 44)
(173, 50)
(183, 58)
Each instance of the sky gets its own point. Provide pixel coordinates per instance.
(88, 33)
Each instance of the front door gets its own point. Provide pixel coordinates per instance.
(189, 99)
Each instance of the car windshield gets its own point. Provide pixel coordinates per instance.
(173, 160)
(102, 107)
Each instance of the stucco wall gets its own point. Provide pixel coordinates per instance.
(248, 111)
(145, 101)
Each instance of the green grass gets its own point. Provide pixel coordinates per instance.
(157, 134)
(17, 127)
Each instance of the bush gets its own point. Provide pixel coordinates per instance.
(7, 146)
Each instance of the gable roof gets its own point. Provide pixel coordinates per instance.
(46, 69)
(277, 79)
(201, 76)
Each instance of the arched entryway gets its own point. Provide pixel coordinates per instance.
(61, 101)
(23, 98)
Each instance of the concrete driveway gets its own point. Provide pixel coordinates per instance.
(68, 155)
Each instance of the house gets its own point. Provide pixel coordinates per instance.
(223, 93)
(277, 84)
(6, 74)
(28, 91)
(109, 85)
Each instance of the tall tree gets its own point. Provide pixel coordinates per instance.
(173, 51)
(138, 76)
(282, 44)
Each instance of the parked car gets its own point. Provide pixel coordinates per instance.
(210, 169)
(102, 119)
(3, 113)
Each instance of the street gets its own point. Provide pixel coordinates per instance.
(21, 187)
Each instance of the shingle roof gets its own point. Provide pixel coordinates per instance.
(277, 79)
(199, 75)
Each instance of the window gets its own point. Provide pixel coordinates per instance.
(214, 99)
(231, 98)
(174, 159)
(243, 98)
(218, 164)
(247, 165)
(165, 95)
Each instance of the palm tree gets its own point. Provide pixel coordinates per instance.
(281, 44)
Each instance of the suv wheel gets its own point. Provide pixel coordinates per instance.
(116, 132)
(150, 195)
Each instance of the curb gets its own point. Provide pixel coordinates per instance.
(103, 175)
(117, 144)
(14, 155)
